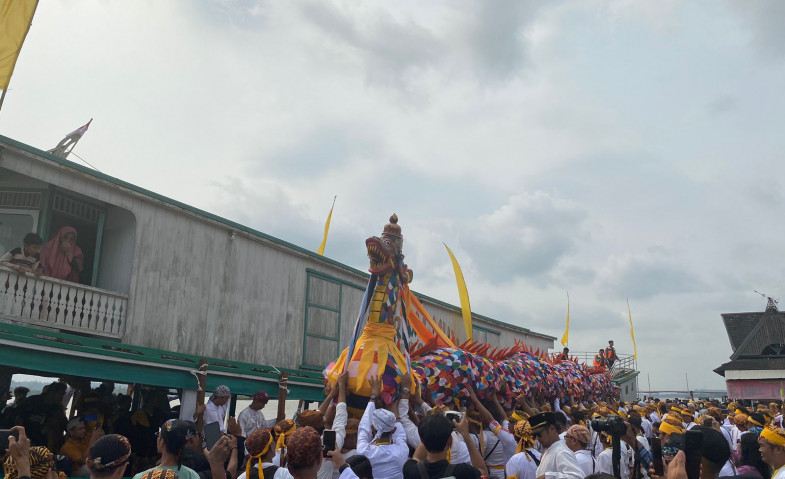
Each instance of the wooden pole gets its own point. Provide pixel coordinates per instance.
(282, 397)
(202, 378)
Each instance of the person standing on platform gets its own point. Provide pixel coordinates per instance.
(610, 355)
(252, 418)
(217, 406)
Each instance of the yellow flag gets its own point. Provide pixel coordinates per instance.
(632, 333)
(327, 228)
(15, 18)
(463, 293)
(564, 339)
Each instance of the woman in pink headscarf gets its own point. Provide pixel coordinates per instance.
(60, 256)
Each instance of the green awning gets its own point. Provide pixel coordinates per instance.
(42, 351)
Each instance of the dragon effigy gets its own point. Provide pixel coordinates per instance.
(390, 314)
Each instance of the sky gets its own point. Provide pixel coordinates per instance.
(610, 149)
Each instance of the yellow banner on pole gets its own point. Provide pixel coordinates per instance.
(632, 333)
(15, 19)
(327, 228)
(565, 338)
(463, 293)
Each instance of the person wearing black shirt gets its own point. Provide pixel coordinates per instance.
(436, 435)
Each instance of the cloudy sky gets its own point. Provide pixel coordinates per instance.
(613, 149)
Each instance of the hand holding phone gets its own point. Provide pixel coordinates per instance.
(328, 441)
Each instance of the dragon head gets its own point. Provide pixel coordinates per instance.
(386, 252)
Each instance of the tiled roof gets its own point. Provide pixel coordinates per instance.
(739, 326)
(754, 363)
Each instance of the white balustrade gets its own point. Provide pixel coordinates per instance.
(61, 304)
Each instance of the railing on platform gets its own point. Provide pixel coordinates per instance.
(624, 363)
(61, 304)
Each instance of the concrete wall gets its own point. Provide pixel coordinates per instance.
(200, 286)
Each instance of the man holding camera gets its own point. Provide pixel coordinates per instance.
(558, 461)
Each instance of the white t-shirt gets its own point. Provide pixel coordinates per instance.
(522, 465)
(281, 473)
(586, 461)
(215, 413)
(559, 462)
(251, 420)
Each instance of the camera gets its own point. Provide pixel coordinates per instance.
(613, 425)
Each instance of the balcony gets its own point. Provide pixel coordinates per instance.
(62, 305)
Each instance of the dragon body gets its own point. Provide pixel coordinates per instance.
(380, 346)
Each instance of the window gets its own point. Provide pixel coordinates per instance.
(322, 335)
(485, 335)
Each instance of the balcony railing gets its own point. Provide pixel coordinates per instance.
(61, 304)
(626, 362)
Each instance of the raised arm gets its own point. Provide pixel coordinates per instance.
(478, 462)
(364, 434)
(341, 416)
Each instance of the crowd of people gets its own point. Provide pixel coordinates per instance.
(59, 258)
(410, 438)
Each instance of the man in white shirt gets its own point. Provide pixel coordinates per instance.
(217, 406)
(252, 418)
(558, 461)
(578, 439)
(382, 440)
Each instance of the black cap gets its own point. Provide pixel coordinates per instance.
(543, 419)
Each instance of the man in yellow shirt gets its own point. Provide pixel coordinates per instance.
(78, 443)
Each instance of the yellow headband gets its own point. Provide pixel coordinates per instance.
(738, 411)
(669, 429)
(771, 436)
(753, 421)
(259, 458)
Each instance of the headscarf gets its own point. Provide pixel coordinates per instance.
(281, 430)
(261, 396)
(54, 260)
(775, 435)
(670, 429)
(258, 443)
(304, 448)
(312, 418)
(222, 392)
(580, 433)
(108, 452)
(383, 421)
(523, 432)
(41, 460)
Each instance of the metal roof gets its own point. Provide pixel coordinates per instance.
(32, 350)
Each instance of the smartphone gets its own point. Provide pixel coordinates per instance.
(656, 452)
(693, 444)
(328, 441)
(4, 435)
(454, 416)
(212, 433)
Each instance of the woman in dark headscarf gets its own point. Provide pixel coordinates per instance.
(109, 457)
(61, 257)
